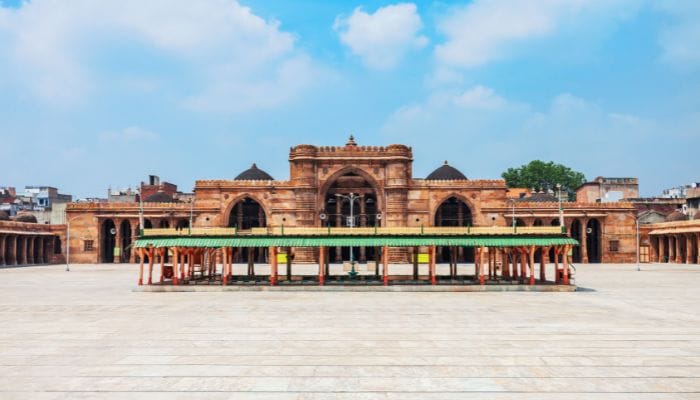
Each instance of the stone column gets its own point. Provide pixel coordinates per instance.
(679, 257)
(19, 252)
(697, 248)
(40, 253)
(584, 241)
(118, 240)
(688, 248)
(662, 248)
(239, 216)
(12, 250)
(31, 240)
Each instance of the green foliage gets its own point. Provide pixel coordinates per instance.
(543, 176)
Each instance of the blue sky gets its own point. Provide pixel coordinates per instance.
(99, 94)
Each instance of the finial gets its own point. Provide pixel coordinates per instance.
(445, 162)
(351, 141)
(254, 166)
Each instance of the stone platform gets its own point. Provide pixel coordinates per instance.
(355, 288)
(85, 334)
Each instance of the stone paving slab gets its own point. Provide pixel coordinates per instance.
(85, 334)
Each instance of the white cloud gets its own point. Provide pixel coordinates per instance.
(680, 39)
(480, 131)
(487, 30)
(381, 39)
(50, 44)
(129, 134)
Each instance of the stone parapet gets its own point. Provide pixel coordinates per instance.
(393, 151)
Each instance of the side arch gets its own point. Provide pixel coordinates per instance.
(241, 197)
(458, 196)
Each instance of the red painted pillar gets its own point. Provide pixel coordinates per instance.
(433, 253)
(162, 252)
(321, 265)
(557, 250)
(385, 262)
(176, 261)
(273, 266)
(543, 264)
(481, 265)
(565, 273)
(151, 253)
(531, 252)
(224, 266)
(182, 265)
(141, 266)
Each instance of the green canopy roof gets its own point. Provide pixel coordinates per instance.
(345, 241)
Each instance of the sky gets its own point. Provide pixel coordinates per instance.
(98, 94)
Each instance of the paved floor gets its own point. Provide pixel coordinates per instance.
(85, 334)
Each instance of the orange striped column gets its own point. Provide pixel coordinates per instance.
(385, 262)
(321, 265)
(141, 266)
(176, 262)
(433, 254)
(273, 266)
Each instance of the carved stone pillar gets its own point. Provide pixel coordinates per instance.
(30, 250)
(40, 250)
(11, 247)
(584, 240)
(21, 253)
(663, 249)
(679, 257)
(118, 240)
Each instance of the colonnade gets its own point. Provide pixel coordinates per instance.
(505, 265)
(679, 248)
(25, 249)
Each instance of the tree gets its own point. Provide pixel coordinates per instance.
(542, 175)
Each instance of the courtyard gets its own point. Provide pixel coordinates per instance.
(87, 334)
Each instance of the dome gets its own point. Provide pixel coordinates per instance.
(159, 197)
(676, 216)
(254, 174)
(4, 216)
(446, 173)
(29, 218)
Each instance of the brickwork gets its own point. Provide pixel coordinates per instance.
(387, 176)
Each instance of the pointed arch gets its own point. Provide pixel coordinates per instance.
(459, 197)
(241, 197)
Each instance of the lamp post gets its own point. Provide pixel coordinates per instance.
(351, 223)
(636, 224)
(512, 201)
(561, 209)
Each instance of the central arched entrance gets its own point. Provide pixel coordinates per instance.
(351, 200)
(246, 214)
(454, 212)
